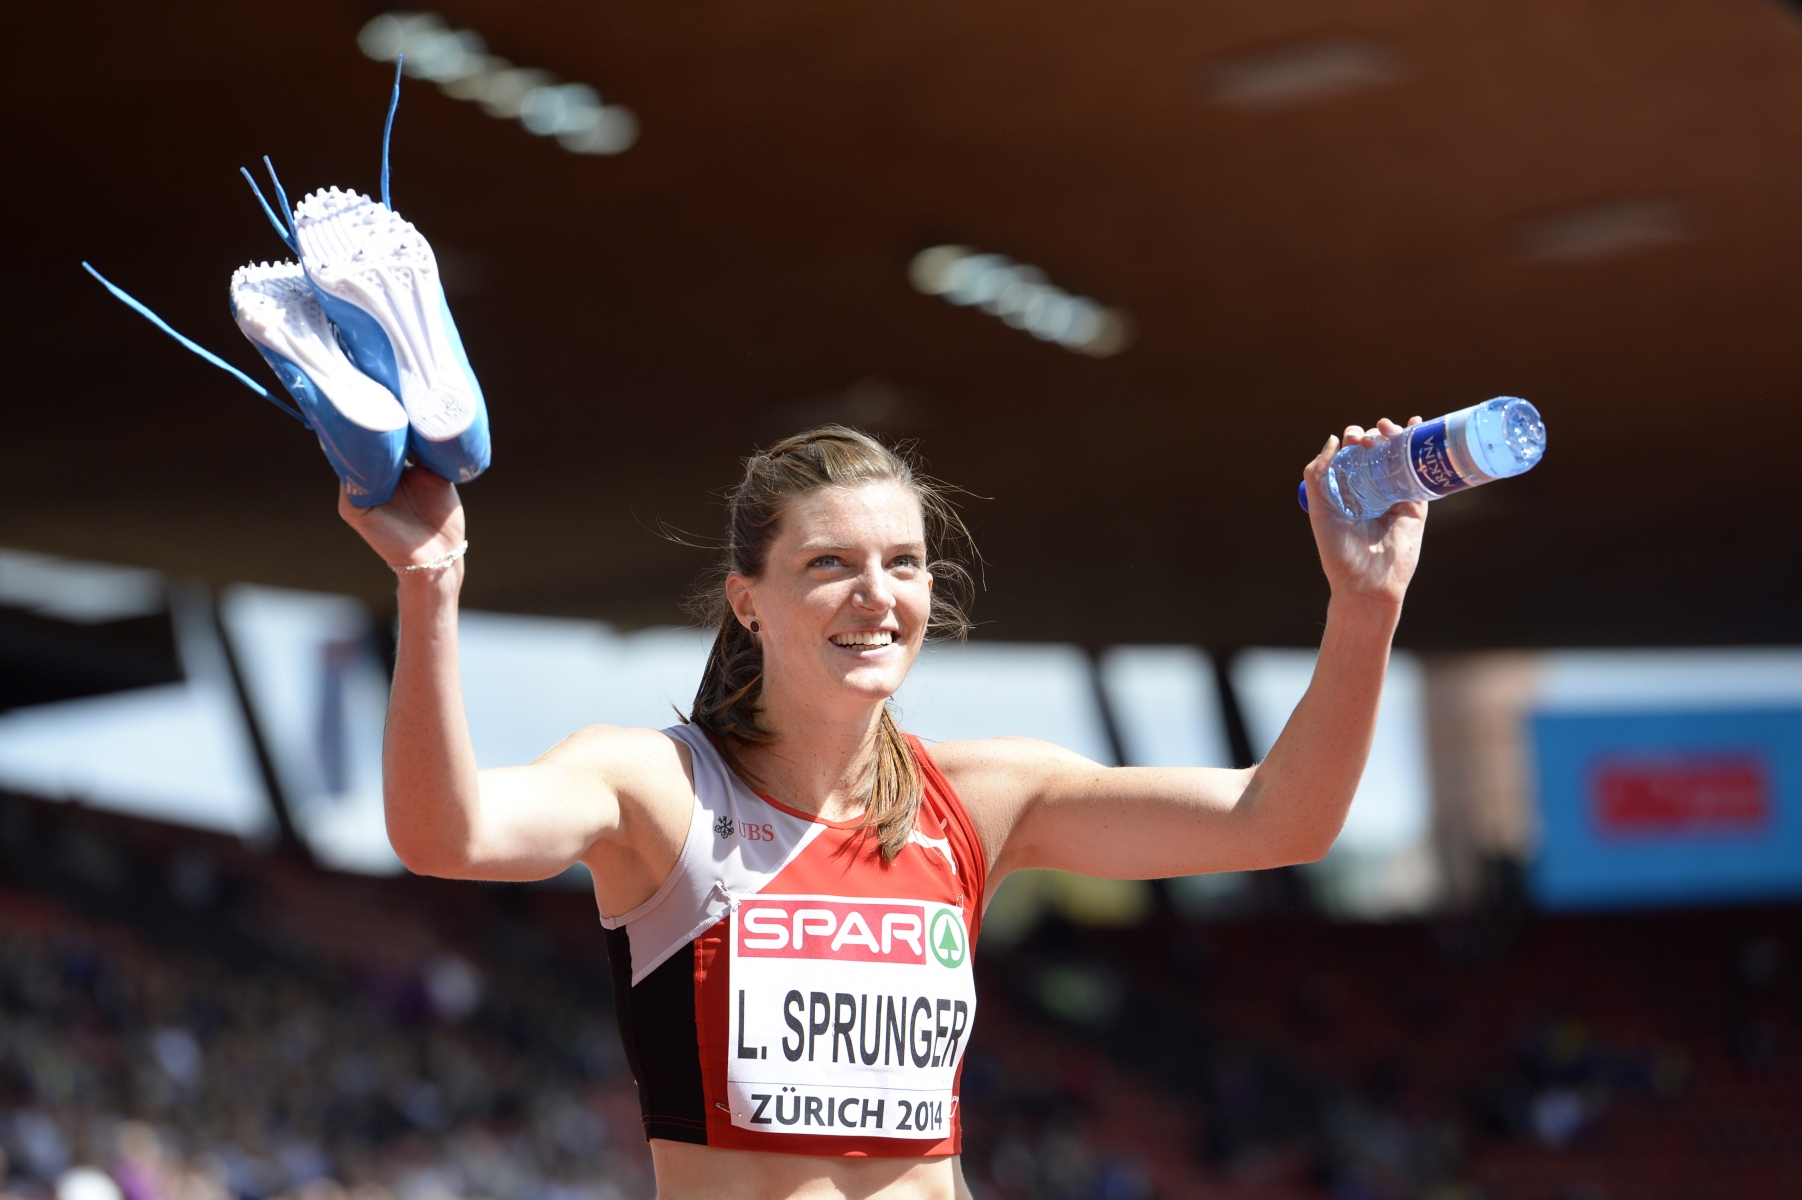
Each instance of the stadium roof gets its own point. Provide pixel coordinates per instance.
(1313, 213)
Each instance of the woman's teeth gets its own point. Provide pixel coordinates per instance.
(875, 637)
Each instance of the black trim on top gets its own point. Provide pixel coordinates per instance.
(661, 1032)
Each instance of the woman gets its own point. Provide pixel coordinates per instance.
(791, 886)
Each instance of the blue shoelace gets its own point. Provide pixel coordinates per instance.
(286, 231)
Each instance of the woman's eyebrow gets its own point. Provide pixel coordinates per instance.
(825, 546)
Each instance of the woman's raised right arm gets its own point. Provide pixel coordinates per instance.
(444, 816)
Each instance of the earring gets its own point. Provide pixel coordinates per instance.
(755, 627)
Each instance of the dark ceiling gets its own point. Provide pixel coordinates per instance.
(1596, 204)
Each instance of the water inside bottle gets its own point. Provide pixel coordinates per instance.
(1494, 440)
(1505, 437)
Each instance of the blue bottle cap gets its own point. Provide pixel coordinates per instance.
(1301, 494)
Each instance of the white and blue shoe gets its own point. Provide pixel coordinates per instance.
(360, 337)
(364, 441)
(361, 426)
(377, 280)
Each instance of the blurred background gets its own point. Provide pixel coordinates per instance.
(1117, 270)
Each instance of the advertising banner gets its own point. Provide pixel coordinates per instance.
(1671, 807)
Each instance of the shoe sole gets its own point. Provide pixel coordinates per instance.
(276, 308)
(361, 426)
(377, 279)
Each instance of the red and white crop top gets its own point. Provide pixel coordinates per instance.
(785, 990)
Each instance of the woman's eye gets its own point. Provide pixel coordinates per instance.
(827, 560)
(906, 562)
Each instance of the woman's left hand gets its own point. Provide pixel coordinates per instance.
(1368, 560)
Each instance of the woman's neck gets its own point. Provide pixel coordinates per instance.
(817, 761)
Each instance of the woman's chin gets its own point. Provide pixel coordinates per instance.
(874, 681)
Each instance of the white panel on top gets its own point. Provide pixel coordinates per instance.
(989, 689)
(1391, 809)
(530, 682)
(1166, 705)
(1616, 680)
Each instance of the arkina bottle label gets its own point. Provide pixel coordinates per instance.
(1429, 450)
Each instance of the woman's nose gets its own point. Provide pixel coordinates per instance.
(873, 591)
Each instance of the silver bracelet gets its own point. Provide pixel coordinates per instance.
(436, 563)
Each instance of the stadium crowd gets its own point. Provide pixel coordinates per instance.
(184, 1019)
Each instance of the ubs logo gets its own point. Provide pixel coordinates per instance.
(725, 826)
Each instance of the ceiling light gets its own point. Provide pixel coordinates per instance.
(1612, 229)
(457, 60)
(1021, 296)
(1297, 74)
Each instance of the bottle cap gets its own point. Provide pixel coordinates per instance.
(1301, 494)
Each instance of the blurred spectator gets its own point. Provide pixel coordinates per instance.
(276, 1053)
(284, 1033)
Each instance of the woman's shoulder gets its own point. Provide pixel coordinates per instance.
(625, 755)
(985, 767)
(997, 779)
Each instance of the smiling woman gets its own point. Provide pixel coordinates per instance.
(791, 886)
(840, 486)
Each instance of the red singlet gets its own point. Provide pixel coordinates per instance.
(785, 990)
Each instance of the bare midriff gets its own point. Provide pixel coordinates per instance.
(688, 1172)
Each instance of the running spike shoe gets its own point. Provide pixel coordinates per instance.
(361, 426)
(377, 279)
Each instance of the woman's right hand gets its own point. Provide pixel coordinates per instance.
(421, 522)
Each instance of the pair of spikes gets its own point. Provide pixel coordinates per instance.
(284, 227)
(290, 238)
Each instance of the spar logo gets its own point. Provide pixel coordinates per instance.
(888, 931)
(947, 938)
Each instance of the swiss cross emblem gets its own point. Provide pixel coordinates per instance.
(722, 825)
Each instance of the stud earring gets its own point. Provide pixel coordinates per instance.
(755, 627)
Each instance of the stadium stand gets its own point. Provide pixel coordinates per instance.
(204, 1022)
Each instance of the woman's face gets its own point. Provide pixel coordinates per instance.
(844, 597)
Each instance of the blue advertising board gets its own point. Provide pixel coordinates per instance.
(1667, 807)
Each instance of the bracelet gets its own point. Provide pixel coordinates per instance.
(436, 563)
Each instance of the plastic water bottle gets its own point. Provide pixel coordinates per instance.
(1475, 445)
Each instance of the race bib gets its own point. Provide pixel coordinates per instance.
(848, 1017)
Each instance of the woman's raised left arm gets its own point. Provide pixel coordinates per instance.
(1035, 805)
